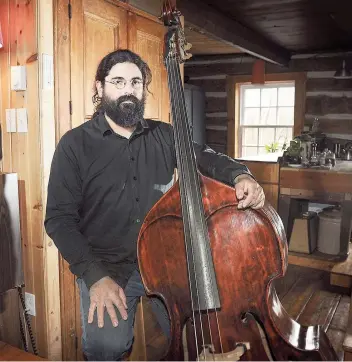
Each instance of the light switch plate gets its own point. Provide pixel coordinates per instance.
(18, 78)
(11, 120)
(22, 120)
(30, 303)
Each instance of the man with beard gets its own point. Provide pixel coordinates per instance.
(106, 175)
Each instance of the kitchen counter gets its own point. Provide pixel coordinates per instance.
(341, 166)
(325, 181)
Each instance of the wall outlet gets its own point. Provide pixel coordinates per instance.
(30, 303)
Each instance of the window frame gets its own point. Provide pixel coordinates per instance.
(233, 84)
(241, 127)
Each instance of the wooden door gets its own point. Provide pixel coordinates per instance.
(146, 38)
(86, 30)
(98, 27)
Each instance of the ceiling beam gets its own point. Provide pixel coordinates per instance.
(209, 21)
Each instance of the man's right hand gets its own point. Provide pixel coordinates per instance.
(105, 293)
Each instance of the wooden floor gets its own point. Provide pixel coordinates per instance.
(305, 293)
(10, 353)
(307, 296)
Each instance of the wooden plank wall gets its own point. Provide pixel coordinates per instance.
(326, 98)
(21, 153)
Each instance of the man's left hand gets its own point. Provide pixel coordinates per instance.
(249, 193)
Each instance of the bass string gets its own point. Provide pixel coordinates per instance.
(185, 150)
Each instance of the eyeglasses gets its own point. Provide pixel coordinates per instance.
(121, 83)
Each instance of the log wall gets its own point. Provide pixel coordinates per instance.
(327, 98)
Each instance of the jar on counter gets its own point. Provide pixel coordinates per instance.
(322, 157)
(329, 231)
(330, 158)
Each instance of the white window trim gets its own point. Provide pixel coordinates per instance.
(267, 85)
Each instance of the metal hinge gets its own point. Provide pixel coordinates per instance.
(69, 6)
(70, 106)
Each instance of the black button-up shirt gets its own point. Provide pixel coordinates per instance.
(101, 187)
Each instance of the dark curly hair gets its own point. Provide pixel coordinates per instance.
(113, 58)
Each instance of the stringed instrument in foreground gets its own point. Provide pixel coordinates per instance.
(214, 265)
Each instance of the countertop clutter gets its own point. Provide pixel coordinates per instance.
(315, 150)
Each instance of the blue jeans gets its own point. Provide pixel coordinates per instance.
(111, 343)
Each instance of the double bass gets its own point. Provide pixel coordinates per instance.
(212, 264)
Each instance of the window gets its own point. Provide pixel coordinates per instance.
(266, 117)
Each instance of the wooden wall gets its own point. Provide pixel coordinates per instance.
(23, 153)
(326, 98)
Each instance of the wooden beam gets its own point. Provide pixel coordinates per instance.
(207, 20)
(51, 277)
(236, 64)
(214, 104)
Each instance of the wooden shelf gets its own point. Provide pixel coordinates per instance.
(340, 271)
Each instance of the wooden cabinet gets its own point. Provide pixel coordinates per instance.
(267, 175)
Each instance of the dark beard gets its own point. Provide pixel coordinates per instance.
(127, 114)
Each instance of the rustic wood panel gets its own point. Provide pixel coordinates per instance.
(296, 300)
(215, 104)
(339, 325)
(203, 44)
(22, 152)
(267, 175)
(217, 24)
(316, 180)
(47, 103)
(297, 25)
(216, 121)
(216, 137)
(202, 70)
(11, 353)
(286, 283)
(340, 126)
(271, 194)
(328, 84)
(69, 296)
(238, 65)
(9, 318)
(309, 299)
(62, 79)
(146, 38)
(347, 343)
(264, 171)
(322, 105)
(5, 162)
(210, 85)
(320, 309)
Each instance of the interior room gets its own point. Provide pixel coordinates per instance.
(268, 84)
